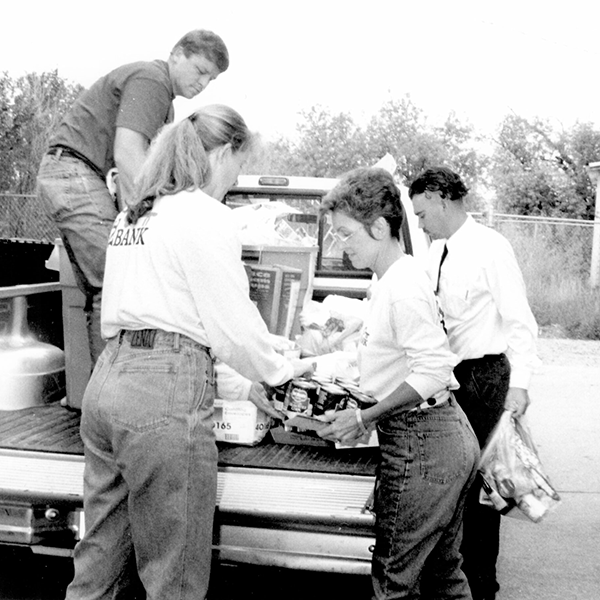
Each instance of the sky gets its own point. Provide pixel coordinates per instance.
(481, 60)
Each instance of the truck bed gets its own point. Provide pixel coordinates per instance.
(283, 505)
(54, 428)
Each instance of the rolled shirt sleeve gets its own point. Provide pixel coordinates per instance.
(428, 355)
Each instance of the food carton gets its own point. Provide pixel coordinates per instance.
(239, 422)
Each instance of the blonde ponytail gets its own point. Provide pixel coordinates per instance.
(178, 157)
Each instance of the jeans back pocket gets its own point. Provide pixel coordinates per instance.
(144, 393)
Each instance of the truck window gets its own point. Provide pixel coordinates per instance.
(331, 260)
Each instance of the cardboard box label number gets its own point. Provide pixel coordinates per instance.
(239, 422)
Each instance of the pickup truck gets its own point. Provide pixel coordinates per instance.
(290, 506)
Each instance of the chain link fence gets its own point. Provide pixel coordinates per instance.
(555, 256)
(545, 247)
(23, 217)
(552, 246)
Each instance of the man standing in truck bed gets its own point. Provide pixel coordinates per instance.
(111, 125)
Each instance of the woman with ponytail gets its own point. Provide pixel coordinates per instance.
(175, 298)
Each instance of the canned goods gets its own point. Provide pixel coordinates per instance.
(346, 382)
(348, 385)
(351, 402)
(277, 394)
(331, 397)
(321, 379)
(301, 396)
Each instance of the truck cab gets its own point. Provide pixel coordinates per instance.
(334, 274)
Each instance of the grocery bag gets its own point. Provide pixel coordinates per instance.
(513, 476)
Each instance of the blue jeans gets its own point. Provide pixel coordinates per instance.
(79, 202)
(483, 387)
(150, 479)
(428, 462)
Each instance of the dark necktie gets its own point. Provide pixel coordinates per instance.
(444, 254)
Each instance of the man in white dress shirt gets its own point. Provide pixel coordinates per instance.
(490, 327)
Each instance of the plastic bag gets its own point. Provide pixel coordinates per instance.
(331, 325)
(512, 473)
(266, 223)
(230, 385)
(336, 364)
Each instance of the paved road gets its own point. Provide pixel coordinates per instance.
(24, 576)
(557, 559)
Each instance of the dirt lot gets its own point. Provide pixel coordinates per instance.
(557, 559)
(565, 352)
(552, 560)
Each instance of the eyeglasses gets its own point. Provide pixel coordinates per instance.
(342, 238)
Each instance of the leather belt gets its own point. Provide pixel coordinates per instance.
(59, 151)
(146, 339)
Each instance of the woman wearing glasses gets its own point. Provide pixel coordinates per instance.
(428, 450)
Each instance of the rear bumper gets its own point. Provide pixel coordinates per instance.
(298, 550)
(291, 519)
(295, 520)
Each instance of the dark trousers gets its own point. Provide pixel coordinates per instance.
(483, 387)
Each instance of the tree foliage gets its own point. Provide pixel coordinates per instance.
(326, 145)
(532, 170)
(330, 144)
(539, 171)
(403, 130)
(30, 109)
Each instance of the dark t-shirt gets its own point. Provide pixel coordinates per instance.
(138, 96)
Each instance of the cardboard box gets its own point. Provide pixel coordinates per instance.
(289, 300)
(297, 257)
(276, 291)
(239, 422)
(265, 292)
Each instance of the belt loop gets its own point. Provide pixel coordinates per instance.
(176, 340)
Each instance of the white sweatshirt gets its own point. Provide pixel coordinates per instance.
(403, 339)
(179, 269)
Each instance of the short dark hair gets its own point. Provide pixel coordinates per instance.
(365, 194)
(439, 179)
(206, 43)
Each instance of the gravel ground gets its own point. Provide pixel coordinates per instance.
(567, 352)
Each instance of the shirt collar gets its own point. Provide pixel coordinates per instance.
(462, 233)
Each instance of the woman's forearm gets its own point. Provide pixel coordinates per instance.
(403, 398)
